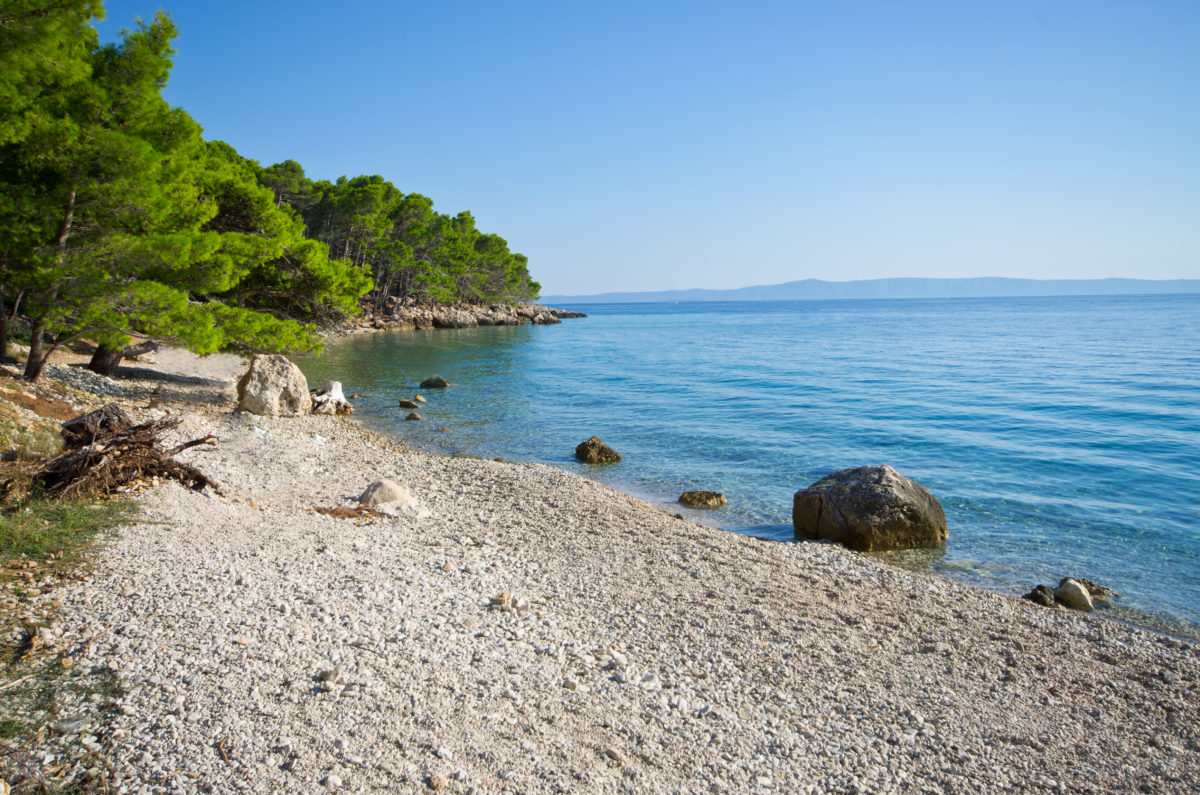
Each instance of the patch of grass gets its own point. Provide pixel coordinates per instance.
(10, 728)
(18, 432)
(44, 528)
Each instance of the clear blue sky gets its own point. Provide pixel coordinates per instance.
(655, 145)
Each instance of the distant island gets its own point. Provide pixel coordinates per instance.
(818, 290)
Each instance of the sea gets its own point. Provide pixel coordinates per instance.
(1061, 435)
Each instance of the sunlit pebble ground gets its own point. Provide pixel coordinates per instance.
(265, 647)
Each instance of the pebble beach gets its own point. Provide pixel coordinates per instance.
(534, 631)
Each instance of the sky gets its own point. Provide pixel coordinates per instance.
(663, 145)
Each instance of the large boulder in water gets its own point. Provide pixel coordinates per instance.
(594, 451)
(272, 387)
(869, 508)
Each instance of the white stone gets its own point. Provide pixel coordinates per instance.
(273, 386)
(1074, 595)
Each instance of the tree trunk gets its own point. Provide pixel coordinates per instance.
(37, 359)
(65, 230)
(3, 329)
(12, 313)
(106, 359)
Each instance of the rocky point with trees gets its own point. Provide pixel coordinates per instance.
(118, 219)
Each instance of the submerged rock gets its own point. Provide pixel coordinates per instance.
(1098, 592)
(703, 499)
(594, 451)
(869, 508)
(272, 387)
(435, 382)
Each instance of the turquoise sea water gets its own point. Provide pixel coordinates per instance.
(1062, 435)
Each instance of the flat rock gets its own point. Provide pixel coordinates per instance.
(408, 404)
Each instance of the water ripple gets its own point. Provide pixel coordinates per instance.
(1062, 435)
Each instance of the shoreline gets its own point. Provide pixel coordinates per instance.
(635, 651)
(962, 568)
(412, 315)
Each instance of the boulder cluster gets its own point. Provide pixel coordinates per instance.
(1073, 592)
(275, 387)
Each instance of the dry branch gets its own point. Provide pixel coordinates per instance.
(105, 454)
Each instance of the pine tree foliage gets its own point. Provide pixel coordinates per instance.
(408, 247)
(117, 218)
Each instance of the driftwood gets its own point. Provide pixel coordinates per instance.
(346, 512)
(104, 455)
(87, 428)
(330, 400)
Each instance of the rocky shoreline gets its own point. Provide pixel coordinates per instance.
(413, 315)
(530, 630)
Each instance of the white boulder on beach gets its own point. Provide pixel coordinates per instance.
(273, 386)
(389, 497)
(549, 634)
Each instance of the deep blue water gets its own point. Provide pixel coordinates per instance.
(1062, 435)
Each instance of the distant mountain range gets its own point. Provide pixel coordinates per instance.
(816, 289)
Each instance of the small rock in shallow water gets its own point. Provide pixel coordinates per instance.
(703, 499)
(1041, 595)
(1096, 591)
(408, 404)
(1074, 595)
(413, 416)
(594, 451)
(435, 382)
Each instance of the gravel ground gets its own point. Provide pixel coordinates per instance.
(541, 632)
